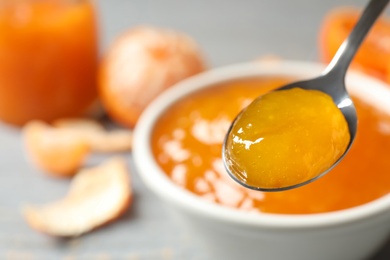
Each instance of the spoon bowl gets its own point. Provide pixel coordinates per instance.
(343, 101)
(331, 82)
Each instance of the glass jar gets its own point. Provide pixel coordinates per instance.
(48, 59)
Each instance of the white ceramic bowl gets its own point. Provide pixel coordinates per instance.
(354, 233)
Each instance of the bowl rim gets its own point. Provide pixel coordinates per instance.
(157, 181)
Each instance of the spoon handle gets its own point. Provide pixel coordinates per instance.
(338, 66)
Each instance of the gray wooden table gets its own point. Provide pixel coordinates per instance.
(229, 31)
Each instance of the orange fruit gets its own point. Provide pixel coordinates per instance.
(373, 56)
(59, 153)
(139, 65)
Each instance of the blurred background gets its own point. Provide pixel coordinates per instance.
(228, 31)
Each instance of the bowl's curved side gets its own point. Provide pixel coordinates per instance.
(348, 234)
(157, 181)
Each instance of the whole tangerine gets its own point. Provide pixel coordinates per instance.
(139, 65)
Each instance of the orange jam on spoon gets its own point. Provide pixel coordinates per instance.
(285, 138)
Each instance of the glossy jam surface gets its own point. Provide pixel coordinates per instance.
(187, 143)
(285, 138)
(48, 59)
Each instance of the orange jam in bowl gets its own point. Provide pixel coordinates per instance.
(187, 142)
(177, 153)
